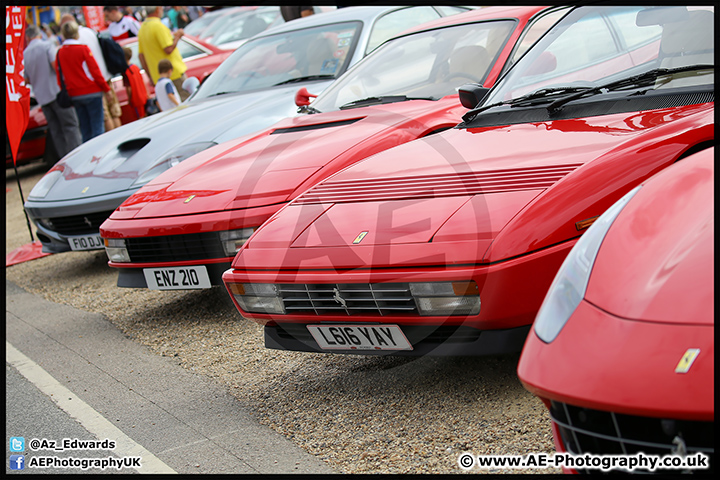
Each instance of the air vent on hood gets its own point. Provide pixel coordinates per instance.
(133, 145)
(316, 126)
(429, 186)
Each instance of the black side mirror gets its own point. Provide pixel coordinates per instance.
(471, 94)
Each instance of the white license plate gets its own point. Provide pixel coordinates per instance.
(359, 337)
(177, 278)
(86, 242)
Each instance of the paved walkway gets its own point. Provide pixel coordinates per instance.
(152, 408)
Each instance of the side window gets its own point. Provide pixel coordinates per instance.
(583, 44)
(188, 50)
(447, 10)
(535, 31)
(634, 36)
(398, 21)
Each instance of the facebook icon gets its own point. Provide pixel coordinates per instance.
(17, 462)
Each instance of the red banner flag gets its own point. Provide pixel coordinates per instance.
(94, 18)
(17, 94)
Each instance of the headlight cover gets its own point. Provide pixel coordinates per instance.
(569, 286)
(172, 159)
(257, 297)
(42, 188)
(116, 250)
(232, 240)
(446, 298)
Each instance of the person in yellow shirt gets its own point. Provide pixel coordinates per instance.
(157, 42)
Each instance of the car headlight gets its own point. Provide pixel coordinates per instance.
(446, 298)
(175, 157)
(232, 240)
(570, 283)
(116, 250)
(257, 297)
(42, 188)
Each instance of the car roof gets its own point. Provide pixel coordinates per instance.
(362, 13)
(483, 13)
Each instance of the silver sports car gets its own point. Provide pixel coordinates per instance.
(250, 90)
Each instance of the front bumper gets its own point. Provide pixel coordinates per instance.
(607, 363)
(81, 217)
(430, 340)
(179, 241)
(135, 277)
(510, 294)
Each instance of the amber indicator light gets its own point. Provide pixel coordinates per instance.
(465, 288)
(583, 224)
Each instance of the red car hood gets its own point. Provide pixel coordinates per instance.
(467, 185)
(656, 262)
(274, 166)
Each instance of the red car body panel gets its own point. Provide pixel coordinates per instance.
(32, 145)
(244, 181)
(569, 171)
(587, 152)
(617, 355)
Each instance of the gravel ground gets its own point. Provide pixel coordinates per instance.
(359, 414)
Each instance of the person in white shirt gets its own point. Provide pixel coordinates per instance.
(120, 26)
(165, 92)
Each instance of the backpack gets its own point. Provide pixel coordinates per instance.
(137, 87)
(113, 55)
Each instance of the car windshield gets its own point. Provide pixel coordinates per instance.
(244, 25)
(429, 65)
(617, 47)
(197, 26)
(311, 53)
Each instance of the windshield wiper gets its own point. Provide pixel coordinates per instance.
(382, 100)
(533, 98)
(639, 80)
(305, 79)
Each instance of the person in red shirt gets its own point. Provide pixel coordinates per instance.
(120, 26)
(135, 86)
(83, 80)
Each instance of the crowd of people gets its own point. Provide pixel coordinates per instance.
(68, 58)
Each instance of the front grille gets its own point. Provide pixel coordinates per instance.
(357, 298)
(175, 248)
(76, 224)
(584, 430)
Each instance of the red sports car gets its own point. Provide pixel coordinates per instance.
(182, 229)
(447, 245)
(201, 59)
(623, 347)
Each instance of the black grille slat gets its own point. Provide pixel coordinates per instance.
(598, 432)
(172, 248)
(88, 223)
(367, 299)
